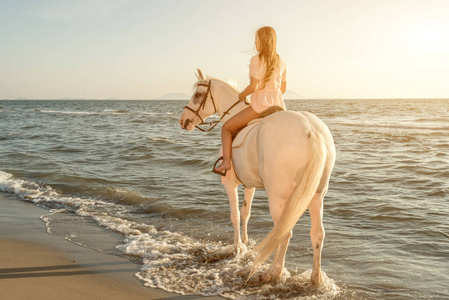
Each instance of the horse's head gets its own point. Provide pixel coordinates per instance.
(200, 106)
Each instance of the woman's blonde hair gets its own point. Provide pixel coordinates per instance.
(267, 39)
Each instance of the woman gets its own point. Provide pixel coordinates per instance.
(267, 72)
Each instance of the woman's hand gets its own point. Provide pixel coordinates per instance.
(249, 89)
(242, 97)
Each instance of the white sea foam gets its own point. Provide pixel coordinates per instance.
(106, 111)
(25, 189)
(46, 218)
(89, 113)
(155, 114)
(66, 112)
(116, 112)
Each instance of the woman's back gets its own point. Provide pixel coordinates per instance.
(257, 69)
(271, 94)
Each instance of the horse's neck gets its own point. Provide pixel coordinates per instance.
(227, 96)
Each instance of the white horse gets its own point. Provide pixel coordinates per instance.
(289, 154)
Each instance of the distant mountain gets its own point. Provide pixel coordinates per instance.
(173, 96)
(292, 95)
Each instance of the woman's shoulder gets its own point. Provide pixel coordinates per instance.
(255, 62)
(255, 58)
(282, 62)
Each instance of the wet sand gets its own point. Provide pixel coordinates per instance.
(36, 265)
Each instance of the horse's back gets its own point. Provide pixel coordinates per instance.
(298, 124)
(277, 148)
(283, 147)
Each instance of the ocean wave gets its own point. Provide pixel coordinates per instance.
(171, 260)
(160, 139)
(43, 195)
(153, 113)
(123, 196)
(115, 111)
(65, 112)
(167, 115)
(393, 125)
(107, 112)
(433, 120)
(24, 189)
(88, 113)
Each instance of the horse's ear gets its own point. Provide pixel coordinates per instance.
(200, 75)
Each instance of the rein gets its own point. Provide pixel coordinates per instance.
(203, 104)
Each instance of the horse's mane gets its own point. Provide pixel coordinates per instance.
(231, 84)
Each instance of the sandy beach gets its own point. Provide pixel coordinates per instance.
(36, 265)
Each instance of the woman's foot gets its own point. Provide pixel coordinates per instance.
(223, 168)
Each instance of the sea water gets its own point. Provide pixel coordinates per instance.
(121, 177)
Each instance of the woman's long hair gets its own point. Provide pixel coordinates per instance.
(267, 53)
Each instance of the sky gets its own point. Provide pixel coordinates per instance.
(143, 49)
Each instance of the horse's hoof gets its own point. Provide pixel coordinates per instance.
(270, 278)
(240, 249)
(244, 272)
(315, 279)
(265, 278)
(237, 249)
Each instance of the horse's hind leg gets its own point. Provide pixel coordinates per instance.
(278, 263)
(317, 235)
(277, 205)
(246, 212)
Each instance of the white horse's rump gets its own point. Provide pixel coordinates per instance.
(290, 154)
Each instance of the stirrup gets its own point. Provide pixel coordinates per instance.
(218, 172)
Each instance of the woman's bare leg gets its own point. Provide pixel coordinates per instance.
(238, 121)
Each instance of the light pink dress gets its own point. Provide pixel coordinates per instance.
(271, 94)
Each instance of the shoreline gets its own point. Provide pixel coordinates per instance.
(37, 265)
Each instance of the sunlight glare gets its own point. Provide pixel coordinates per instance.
(432, 37)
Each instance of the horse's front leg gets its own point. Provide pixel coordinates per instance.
(246, 212)
(232, 191)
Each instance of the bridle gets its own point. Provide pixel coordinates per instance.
(203, 104)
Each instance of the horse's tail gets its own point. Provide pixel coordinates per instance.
(299, 201)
